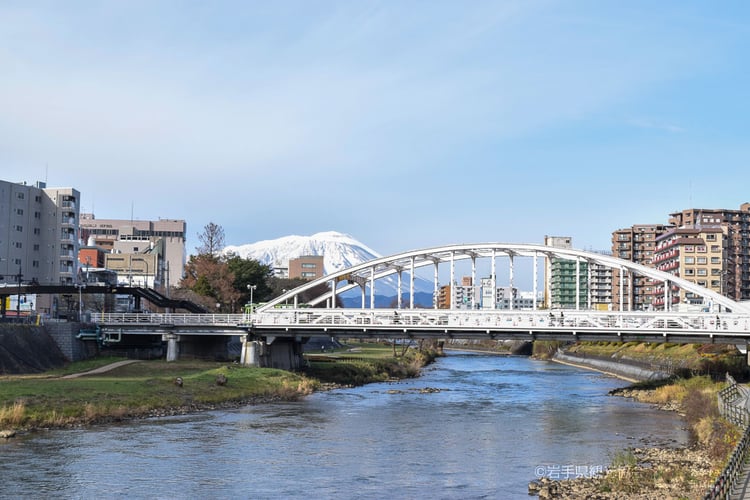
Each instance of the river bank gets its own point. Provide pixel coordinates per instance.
(115, 390)
(662, 471)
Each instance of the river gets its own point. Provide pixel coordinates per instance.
(473, 426)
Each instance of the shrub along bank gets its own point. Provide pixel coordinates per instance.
(363, 363)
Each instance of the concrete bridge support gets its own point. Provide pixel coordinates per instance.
(273, 352)
(250, 353)
(173, 346)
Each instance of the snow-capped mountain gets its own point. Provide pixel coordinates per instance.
(339, 250)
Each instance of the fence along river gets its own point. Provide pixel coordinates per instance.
(472, 426)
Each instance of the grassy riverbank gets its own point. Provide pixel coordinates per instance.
(151, 388)
(364, 363)
(662, 471)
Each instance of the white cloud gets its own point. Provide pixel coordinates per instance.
(648, 123)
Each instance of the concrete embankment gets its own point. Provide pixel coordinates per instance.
(631, 372)
(28, 349)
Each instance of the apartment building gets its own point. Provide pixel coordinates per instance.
(693, 253)
(568, 284)
(734, 241)
(636, 244)
(465, 295)
(444, 297)
(142, 252)
(38, 240)
(571, 284)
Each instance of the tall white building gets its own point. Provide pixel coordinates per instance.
(38, 240)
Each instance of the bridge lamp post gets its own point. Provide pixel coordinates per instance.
(251, 288)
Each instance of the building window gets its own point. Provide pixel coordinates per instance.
(715, 272)
(702, 260)
(702, 272)
(710, 237)
(689, 260)
(689, 272)
(20, 196)
(715, 260)
(309, 265)
(19, 211)
(715, 248)
(701, 249)
(689, 248)
(19, 229)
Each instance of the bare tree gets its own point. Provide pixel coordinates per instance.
(212, 239)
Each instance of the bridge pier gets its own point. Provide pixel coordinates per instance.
(173, 346)
(272, 352)
(251, 352)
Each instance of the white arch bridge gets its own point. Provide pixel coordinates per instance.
(286, 321)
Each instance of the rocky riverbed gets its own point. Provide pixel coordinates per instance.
(654, 473)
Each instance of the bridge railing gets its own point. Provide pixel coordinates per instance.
(168, 319)
(463, 319)
(699, 322)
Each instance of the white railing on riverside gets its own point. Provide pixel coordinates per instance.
(453, 319)
(168, 319)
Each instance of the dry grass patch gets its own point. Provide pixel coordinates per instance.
(13, 415)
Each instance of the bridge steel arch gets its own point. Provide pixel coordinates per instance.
(369, 272)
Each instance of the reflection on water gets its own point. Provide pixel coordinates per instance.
(473, 426)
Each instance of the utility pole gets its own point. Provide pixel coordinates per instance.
(18, 299)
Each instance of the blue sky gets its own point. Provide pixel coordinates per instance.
(403, 123)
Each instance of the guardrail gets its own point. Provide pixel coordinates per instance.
(169, 319)
(733, 402)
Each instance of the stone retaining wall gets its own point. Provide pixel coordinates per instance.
(626, 370)
(64, 334)
(28, 349)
